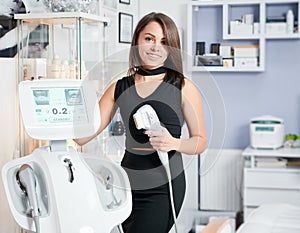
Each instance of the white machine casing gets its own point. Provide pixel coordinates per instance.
(266, 132)
(83, 206)
(76, 192)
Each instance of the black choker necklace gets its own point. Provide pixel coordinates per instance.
(145, 72)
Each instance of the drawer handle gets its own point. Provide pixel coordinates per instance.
(269, 170)
(274, 188)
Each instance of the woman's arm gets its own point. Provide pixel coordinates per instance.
(192, 110)
(193, 113)
(106, 104)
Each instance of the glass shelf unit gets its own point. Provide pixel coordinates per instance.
(59, 45)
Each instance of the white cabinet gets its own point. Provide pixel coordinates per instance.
(270, 184)
(238, 23)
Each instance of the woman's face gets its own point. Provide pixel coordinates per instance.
(151, 46)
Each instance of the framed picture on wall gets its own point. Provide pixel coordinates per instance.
(124, 1)
(125, 27)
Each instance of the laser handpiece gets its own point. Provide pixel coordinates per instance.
(27, 182)
(146, 118)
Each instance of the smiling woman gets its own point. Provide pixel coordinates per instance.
(155, 77)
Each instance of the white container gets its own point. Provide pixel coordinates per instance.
(267, 132)
(225, 51)
(245, 50)
(248, 19)
(256, 28)
(276, 28)
(290, 21)
(245, 62)
(228, 62)
(240, 29)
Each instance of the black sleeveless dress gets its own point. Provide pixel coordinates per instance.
(151, 210)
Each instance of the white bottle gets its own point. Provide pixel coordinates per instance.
(72, 70)
(65, 71)
(54, 69)
(290, 21)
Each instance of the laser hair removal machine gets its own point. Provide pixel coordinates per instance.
(57, 189)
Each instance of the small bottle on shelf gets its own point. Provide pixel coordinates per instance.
(65, 71)
(54, 68)
(72, 70)
(290, 21)
(200, 50)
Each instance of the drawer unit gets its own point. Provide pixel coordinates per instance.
(270, 185)
(258, 196)
(272, 178)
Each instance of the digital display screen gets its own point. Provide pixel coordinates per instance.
(265, 129)
(59, 105)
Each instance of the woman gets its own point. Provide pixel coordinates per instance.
(155, 78)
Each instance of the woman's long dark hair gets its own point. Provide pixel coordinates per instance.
(173, 62)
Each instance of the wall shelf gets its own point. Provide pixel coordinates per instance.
(221, 14)
(224, 69)
(59, 17)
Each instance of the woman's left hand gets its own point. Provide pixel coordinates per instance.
(162, 140)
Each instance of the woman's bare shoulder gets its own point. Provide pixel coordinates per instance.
(189, 85)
